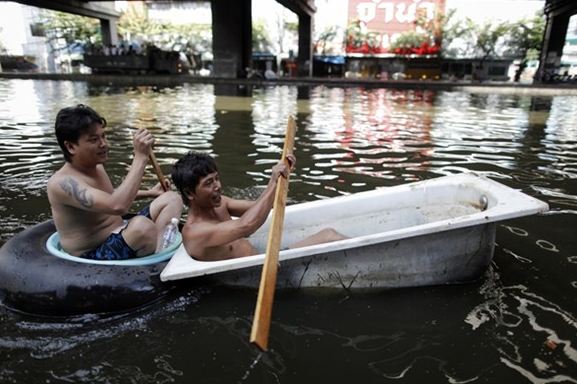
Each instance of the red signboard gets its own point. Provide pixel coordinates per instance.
(382, 21)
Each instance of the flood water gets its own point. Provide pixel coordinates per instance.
(518, 324)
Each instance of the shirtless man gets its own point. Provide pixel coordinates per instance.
(210, 233)
(87, 209)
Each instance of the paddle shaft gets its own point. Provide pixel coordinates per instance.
(157, 170)
(262, 316)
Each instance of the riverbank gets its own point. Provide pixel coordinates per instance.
(171, 80)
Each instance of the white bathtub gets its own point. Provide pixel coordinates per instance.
(431, 232)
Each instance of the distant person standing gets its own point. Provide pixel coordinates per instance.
(269, 74)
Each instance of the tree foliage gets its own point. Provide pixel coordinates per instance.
(135, 25)
(64, 29)
(451, 30)
(326, 38)
(409, 40)
(485, 40)
(261, 40)
(448, 37)
(499, 39)
(525, 36)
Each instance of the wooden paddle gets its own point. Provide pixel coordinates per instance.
(262, 315)
(157, 170)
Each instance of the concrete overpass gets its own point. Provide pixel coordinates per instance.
(104, 11)
(231, 29)
(558, 13)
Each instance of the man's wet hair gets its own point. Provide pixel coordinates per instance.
(187, 172)
(72, 122)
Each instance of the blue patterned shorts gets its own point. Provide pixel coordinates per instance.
(115, 247)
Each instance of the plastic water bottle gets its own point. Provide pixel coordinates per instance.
(169, 233)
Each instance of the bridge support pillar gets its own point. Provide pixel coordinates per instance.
(305, 55)
(553, 43)
(231, 37)
(109, 32)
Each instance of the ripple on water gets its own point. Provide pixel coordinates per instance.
(517, 231)
(161, 372)
(46, 338)
(542, 332)
(348, 140)
(547, 245)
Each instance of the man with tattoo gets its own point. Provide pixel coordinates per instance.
(87, 209)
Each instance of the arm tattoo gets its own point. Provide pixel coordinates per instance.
(72, 188)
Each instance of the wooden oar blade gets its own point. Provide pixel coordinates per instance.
(262, 317)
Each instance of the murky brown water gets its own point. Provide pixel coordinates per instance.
(349, 140)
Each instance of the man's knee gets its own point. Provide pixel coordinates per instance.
(139, 230)
(171, 197)
(170, 201)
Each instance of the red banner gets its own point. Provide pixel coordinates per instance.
(380, 22)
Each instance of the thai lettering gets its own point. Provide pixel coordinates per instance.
(367, 11)
(405, 14)
(387, 11)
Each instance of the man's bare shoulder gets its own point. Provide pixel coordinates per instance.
(69, 187)
(57, 178)
(199, 227)
(235, 207)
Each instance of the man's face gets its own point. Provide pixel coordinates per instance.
(92, 146)
(208, 191)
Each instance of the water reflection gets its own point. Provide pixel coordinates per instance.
(512, 317)
(517, 324)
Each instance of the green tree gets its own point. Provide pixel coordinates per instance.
(524, 40)
(197, 37)
(486, 40)
(261, 41)
(325, 37)
(450, 30)
(64, 29)
(526, 35)
(134, 24)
